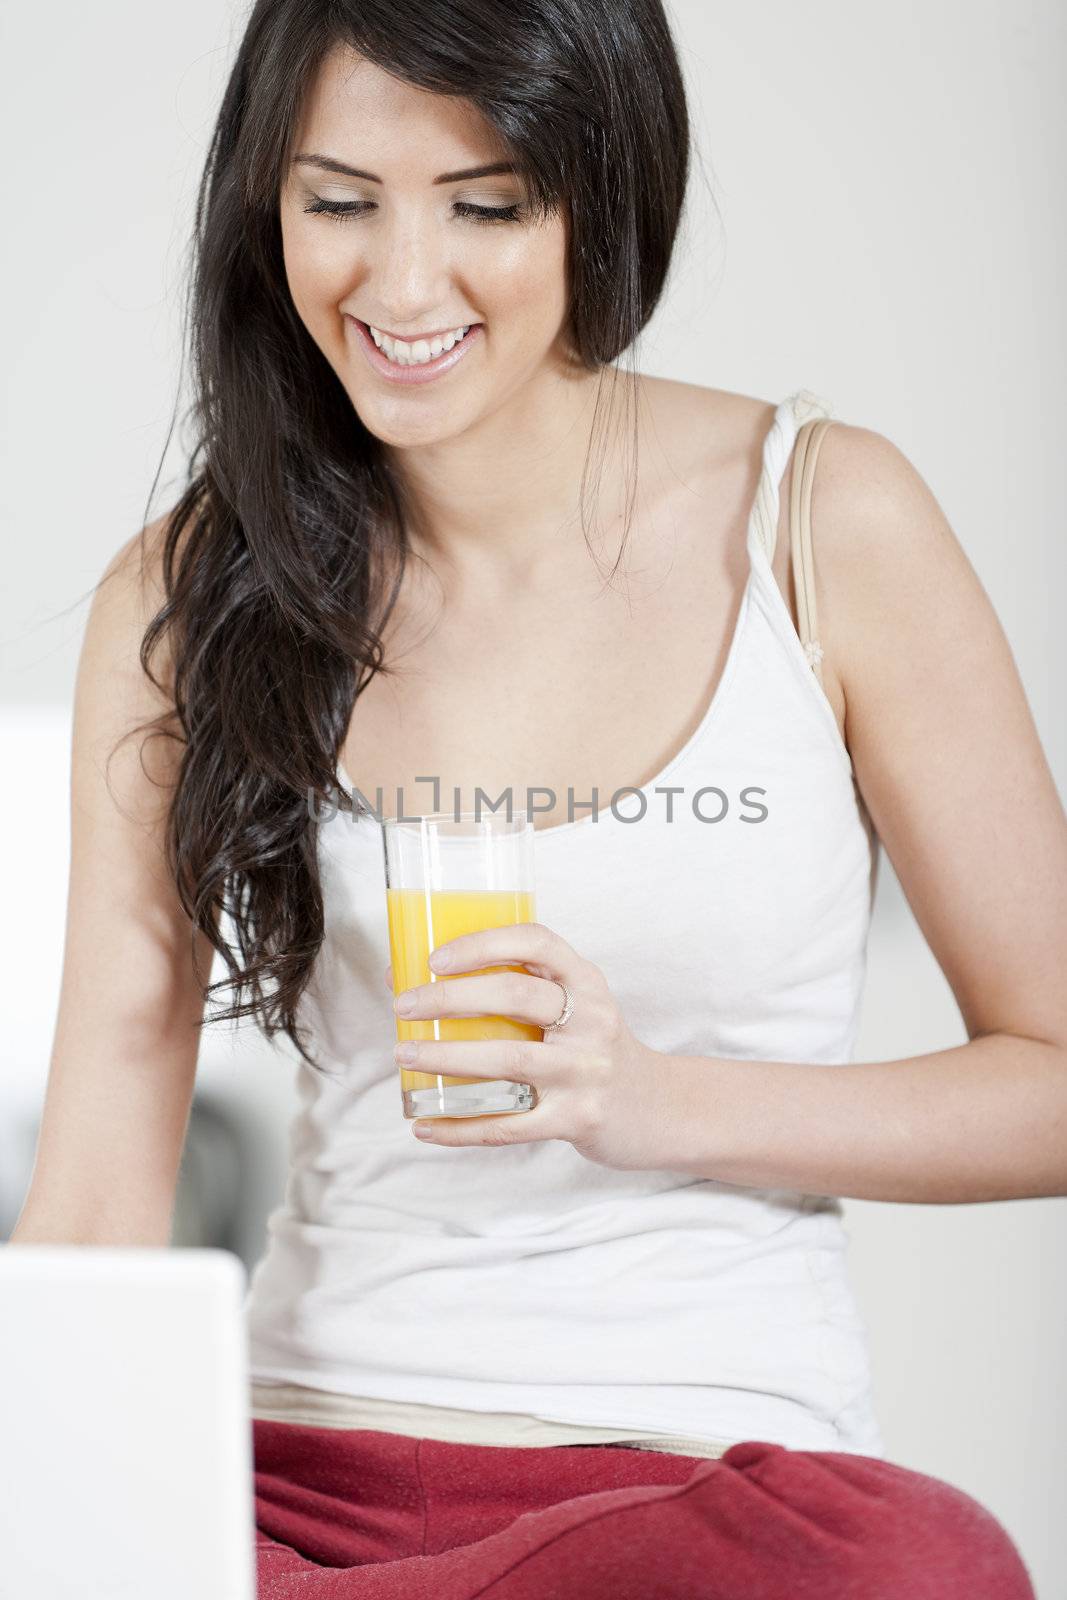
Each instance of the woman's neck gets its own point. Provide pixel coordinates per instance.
(498, 505)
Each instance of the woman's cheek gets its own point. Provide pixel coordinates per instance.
(527, 277)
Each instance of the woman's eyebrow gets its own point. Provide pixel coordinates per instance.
(331, 164)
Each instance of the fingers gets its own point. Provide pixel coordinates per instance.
(530, 944)
(505, 994)
(484, 1058)
(521, 1127)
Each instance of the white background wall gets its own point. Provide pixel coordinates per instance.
(889, 184)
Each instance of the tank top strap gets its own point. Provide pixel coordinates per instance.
(800, 422)
(789, 418)
(808, 444)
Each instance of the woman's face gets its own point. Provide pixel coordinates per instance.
(406, 253)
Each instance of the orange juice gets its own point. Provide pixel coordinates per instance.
(422, 920)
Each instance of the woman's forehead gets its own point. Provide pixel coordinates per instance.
(370, 118)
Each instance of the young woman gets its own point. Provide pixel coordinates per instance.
(431, 532)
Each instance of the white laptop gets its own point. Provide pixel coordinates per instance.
(125, 1429)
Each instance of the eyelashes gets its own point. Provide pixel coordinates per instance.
(355, 208)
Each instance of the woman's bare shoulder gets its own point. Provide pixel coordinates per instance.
(699, 423)
(907, 627)
(128, 596)
(138, 563)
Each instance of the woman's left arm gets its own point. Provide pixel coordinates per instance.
(950, 765)
(947, 757)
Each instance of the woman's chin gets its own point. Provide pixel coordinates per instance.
(405, 427)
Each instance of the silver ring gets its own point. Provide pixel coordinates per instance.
(568, 1007)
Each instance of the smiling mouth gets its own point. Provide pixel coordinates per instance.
(402, 368)
(417, 352)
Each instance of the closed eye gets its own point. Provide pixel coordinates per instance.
(356, 208)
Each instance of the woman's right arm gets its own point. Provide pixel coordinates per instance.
(124, 1054)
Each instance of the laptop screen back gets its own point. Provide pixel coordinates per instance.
(125, 1433)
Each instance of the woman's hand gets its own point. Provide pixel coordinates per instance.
(597, 1086)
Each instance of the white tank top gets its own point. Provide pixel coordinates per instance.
(527, 1295)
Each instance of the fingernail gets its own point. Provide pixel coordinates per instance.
(422, 1130)
(408, 1051)
(404, 1004)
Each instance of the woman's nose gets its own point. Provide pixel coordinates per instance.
(409, 267)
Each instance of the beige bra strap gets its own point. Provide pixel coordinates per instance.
(805, 454)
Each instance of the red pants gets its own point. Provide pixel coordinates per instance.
(355, 1514)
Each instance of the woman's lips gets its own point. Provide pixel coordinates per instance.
(423, 373)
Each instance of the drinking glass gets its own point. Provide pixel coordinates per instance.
(446, 875)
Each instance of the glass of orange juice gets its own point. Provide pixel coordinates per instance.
(447, 874)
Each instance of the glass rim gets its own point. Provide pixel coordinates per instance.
(519, 815)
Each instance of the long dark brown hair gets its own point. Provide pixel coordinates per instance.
(272, 559)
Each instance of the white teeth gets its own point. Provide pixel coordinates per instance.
(418, 352)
